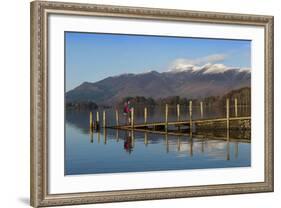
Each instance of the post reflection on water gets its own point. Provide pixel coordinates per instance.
(115, 151)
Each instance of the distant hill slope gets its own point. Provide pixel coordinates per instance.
(188, 83)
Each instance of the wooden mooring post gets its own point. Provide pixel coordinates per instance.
(190, 116)
(145, 115)
(227, 113)
(201, 109)
(166, 117)
(117, 117)
(242, 106)
(132, 117)
(178, 116)
(97, 124)
(97, 116)
(236, 107)
(178, 112)
(91, 120)
(103, 119)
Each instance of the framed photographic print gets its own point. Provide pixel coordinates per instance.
(143, 103)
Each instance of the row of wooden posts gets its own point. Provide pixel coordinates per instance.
(96, 124)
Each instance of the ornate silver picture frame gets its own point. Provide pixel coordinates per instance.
(40, 89)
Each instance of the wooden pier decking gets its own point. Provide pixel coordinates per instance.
(178, 126)
(178, 123)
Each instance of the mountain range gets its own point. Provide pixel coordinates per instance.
(190, 82)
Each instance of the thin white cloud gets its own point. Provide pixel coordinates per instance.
(185, 63)
(210, 64)
(213, 58)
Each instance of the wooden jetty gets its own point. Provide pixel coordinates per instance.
(179, 125)
(163, 125)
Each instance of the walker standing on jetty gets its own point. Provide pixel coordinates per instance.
(127, 112)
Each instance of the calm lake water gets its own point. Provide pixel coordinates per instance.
(115, 151)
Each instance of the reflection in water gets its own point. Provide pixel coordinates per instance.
(91, 136)
(179, 144)
(104, 136)
(145, 139)
(128, 142)
(132, 151)
(227, 150)
(202, 145)
(236, 149)
(167, 143)
(117, 135)
(191, 145)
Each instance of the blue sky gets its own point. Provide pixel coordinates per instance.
(92, 57)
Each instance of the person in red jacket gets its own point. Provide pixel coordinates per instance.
(126, 112)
